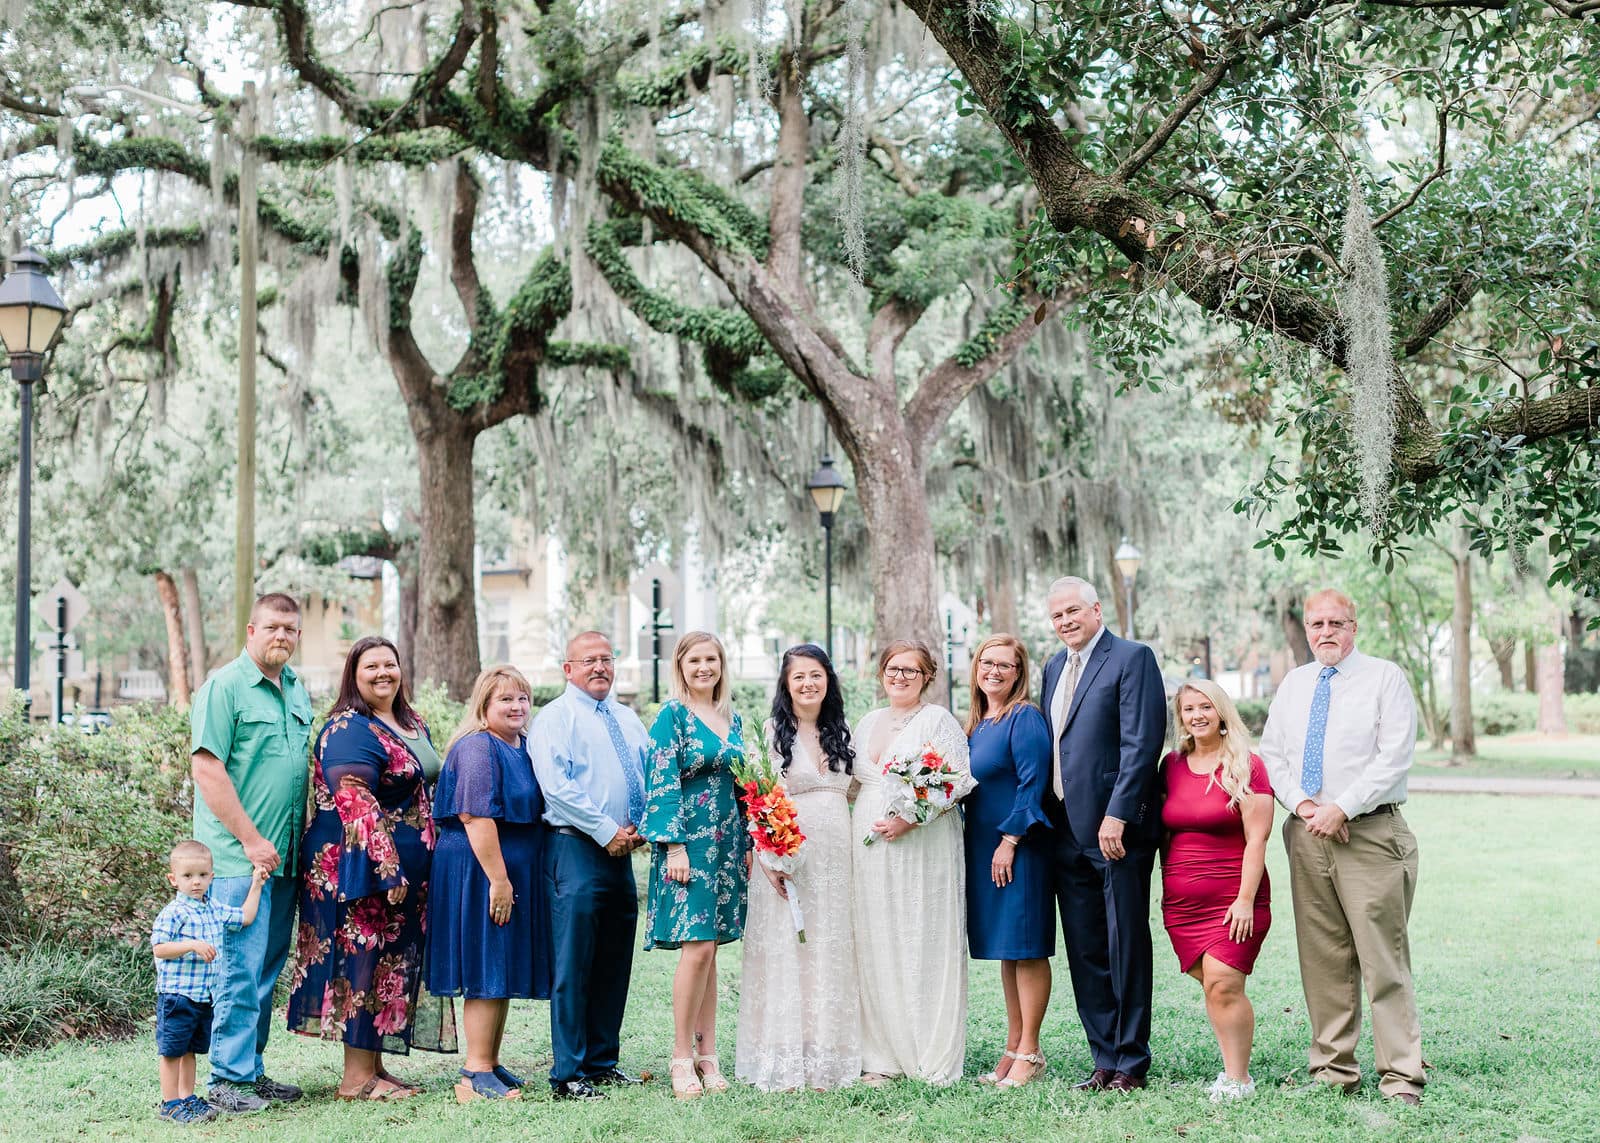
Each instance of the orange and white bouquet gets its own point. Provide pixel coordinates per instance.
(921, 787)
(773, 822)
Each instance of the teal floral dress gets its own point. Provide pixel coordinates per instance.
(691, 798)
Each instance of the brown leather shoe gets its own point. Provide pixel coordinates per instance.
(1099, 1080)
(1124, 1082)
(1409, 1098)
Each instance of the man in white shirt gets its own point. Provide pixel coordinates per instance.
(1338, 743)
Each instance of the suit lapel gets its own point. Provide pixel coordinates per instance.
(1102, 652)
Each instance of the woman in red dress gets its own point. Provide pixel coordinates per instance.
(1215, 898)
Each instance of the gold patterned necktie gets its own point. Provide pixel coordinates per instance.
(1060, 706)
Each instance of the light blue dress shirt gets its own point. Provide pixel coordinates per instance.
(577, 765)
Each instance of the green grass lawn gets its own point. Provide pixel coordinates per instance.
(1504, 935)
(1521, 756)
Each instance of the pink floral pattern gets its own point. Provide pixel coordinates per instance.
(358, 972)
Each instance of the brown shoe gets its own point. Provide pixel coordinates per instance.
(1097, 1081)
(1409, 1098)
(1124, 1082)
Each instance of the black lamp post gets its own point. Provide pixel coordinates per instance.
(1128, 559)
(31, 313)
(827, 493)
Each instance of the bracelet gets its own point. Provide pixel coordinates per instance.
(678, 846)
(1015, 841)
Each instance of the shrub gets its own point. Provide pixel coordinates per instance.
(56, 991)
(1254, 713)
(441, 712)
(1504, 712)
(86, 822)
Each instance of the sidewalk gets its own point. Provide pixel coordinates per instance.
(1544, 787)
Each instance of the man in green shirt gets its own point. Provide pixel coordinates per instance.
(250, 728)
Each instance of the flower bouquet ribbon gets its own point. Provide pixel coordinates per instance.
(773, 823)
(921, 786)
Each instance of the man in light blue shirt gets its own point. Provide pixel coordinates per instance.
(588, 753)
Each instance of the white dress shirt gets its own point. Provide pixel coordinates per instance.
(1371, 739)
(1058, 709)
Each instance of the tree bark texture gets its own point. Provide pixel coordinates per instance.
(177, 649)
(405, 566)
(1504, 649)
(447, 618)
(1551, 675)
(1291, 615)
(894, 503)
(194, 626)
(1530, 667)
(1463, 742)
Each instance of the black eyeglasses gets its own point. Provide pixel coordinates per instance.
(902, 672)
(991, 665)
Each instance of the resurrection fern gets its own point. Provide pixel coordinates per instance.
(1364, 316)
(849, 204)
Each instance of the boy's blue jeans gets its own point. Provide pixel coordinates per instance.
(251, 960)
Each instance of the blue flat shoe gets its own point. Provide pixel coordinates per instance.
(508, 1077)
(484, 1085)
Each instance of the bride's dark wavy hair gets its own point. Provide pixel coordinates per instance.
(832, 727)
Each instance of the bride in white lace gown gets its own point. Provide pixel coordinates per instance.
(910, 890)
(799, 1017)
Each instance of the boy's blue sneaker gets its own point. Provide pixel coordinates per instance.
(187, 1112)
(203, 1110)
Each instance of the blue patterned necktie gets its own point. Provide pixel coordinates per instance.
(630, 769)
(1316, 731)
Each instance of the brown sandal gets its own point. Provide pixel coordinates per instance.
(369, 1093)
(383, 1074)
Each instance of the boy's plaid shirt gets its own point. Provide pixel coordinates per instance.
(185, 919)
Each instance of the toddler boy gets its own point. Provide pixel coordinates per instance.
(185, 940)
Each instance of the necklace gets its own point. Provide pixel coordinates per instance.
(900, 722)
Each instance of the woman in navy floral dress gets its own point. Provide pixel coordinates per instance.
(698, 872)
(366, 857)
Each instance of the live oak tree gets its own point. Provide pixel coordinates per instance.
(1401, 189)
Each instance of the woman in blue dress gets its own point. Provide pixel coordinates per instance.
(1010, 911)
(488, 923)
(365, 859)
(698, 871)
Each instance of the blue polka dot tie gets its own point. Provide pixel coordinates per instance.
(1316, 731)
(630, 767)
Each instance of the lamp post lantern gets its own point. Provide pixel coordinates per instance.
(827, 493)
(1128, 559)
(31, 313)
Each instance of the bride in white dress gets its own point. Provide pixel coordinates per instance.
(910, 891)
(799, 1016)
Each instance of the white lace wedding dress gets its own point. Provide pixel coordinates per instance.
(910, 910)
(799, 1019)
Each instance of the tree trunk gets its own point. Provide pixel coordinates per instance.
(405, 567)
(447, 618)
(177, 649)
(1504, 649)
(1551, 676)
(1002, 590)
(894, 501)
(194, 625)
(1291, 616)
(1463, 742)
(1530, 668)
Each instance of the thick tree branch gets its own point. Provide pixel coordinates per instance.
(1463, 287)
(947, 384)
(463, 269)
(894, 319)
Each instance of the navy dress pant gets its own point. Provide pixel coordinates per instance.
(594, 914)
(1105, 918)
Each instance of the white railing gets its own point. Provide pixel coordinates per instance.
(141, 686)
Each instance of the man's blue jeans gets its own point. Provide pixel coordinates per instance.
(251, 960)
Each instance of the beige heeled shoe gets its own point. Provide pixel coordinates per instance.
(993, 1077)
(685, 1084)
(711, 1078)
(1035, 1070)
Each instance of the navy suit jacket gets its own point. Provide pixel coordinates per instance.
(1112, 741)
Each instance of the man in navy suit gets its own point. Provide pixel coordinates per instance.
(1108, 713)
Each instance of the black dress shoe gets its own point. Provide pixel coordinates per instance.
(1097, 1081)
(1122, 1081)
(575, 1089)
(616, 1077)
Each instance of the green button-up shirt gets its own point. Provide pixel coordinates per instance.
(260, 732)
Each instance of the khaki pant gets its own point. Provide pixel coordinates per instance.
(1351, 904)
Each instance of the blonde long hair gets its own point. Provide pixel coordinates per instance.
(1233, 773)
(490, 682)
(720, 693)
(1015, 697)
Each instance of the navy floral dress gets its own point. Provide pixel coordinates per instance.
(691, 798)
(358, 968)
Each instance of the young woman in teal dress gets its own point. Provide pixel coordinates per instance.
(698, 864)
